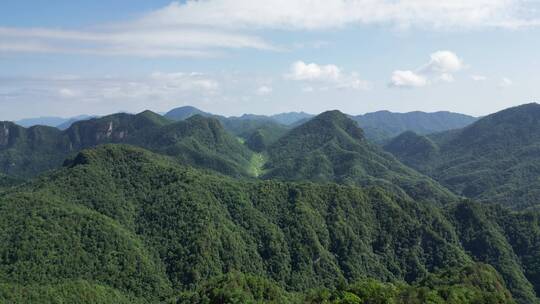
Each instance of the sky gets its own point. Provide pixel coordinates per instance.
(66, 58)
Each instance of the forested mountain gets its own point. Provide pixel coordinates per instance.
(121, 220)
(198, 141)
(332, 218)
(495, 160)
(185, 112)
(383, 125)
(378, 126)
(331, 147)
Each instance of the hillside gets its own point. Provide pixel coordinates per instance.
(383, 125)
(197, 141)
(331, 147)
(122, 220)
(495, 160)
(182, 113)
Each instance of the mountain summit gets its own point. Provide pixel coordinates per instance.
(331, 147)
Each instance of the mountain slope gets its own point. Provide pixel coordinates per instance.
(197, 141)
(330, 147)
(495, 160)
(185, 112)
(175, 227)
(383, 125)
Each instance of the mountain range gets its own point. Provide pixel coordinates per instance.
(494, 160)
(123, 221)
(378, 126)
(191, 207)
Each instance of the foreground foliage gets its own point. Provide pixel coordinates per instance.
(139, 224)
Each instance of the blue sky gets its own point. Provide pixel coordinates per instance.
(64, 58)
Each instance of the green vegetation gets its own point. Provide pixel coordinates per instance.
(257, 164)
(141, 226)
(261, 137)
(470, 284)
(330, 147)
(495, 160)
(384, 125)
(80, 292)
(332, 219)
(198, 141)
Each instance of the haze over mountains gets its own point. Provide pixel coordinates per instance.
(191, 207)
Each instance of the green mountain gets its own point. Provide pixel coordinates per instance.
(25, 152)
(331, 147)
(383, 125)
(378, 126)
(198, 141)
(121, 222)
(185, 112)
(494, 160)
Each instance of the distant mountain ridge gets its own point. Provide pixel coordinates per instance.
(383, 125)
(51, 121)
(378, 126)
(27, 152)
(495, 159)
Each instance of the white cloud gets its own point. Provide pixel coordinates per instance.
(445, 77)
(264, 90)
(505, 82)
(407, 79)
(324, 14)
(133, 41)
(207, 28)
(327, 76)
(443, 62)
(478, 77)
(438, 69)
(312, 71)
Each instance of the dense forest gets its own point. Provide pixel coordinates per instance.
(494, 160)
(191, 207)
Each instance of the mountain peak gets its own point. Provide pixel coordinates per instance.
(184, 112)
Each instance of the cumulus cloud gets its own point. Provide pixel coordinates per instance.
(438, 69)
(443, 62)
(407, 79)
(327, 76)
